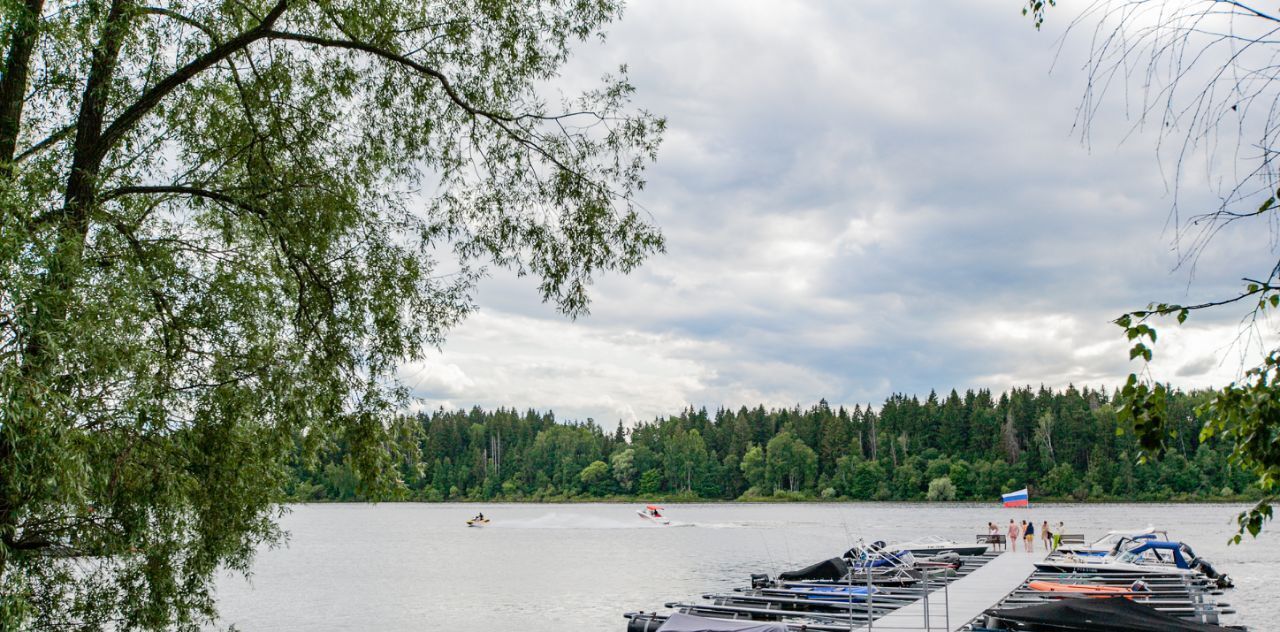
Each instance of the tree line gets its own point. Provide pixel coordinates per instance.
(1064, 444)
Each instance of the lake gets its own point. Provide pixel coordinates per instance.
(537, 568)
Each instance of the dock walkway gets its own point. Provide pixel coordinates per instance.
(968, 597)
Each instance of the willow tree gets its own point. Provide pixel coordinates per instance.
(223, 225)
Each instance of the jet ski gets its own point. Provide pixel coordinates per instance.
(478, 521)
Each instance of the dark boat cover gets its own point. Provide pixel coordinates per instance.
(680, 622)
(834, 568)
(1114, 614)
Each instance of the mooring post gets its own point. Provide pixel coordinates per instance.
(925, 596)
(946, 595)
(849, 588)
(871, 618)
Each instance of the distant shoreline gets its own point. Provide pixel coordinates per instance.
(768, 501)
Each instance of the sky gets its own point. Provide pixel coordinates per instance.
(861, 199)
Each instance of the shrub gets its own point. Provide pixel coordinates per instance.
(941, 488)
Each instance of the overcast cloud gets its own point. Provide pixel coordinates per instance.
(859, 199)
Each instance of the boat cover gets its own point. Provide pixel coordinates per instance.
(680, 622)
(834, 568)
(1114, 614)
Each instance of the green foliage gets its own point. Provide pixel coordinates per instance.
(1245, 415)
(789, 463)
(753, 467)
(595, 476)
(507, 455)
(650, 482)
(624, 468)
(941, 489)
(224, 226)
(1036, 9)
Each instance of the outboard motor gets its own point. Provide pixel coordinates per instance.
(1203, 565)
(1209, 571)
(643, 622)
(759, 580)
(950, 557)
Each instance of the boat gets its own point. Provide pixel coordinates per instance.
(929, 546)
(1145, 557)
(478, 522)
(1112, 542)
(1092, 615)
(835, 592)
(1058, 587)
(651, 513)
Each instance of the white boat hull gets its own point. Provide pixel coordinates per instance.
(659, 520)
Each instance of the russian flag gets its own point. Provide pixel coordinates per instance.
(1016, 499)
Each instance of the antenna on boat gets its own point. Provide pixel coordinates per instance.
(773, 564)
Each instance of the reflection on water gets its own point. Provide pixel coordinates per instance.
(400, 567)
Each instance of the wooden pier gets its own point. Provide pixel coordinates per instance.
(951, 607)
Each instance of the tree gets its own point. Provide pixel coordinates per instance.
(789, 463)
(594, 476)
(753, 467)
(941, 489)
(224, 227)
(858, 479)
(624, 468)
(1208, 82)
(651, 482)
(684, 454)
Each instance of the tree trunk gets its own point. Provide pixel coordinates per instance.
(54, 299)
(13, 86)
(81, 191)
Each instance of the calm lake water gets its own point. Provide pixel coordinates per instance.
(401, 567)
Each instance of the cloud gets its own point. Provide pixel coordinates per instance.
(1198, 367)
(859, 198)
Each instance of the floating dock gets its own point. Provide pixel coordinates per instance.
(952, 607)
(950, 598)
(954, 600)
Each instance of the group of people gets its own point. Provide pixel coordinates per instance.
(1026, 531)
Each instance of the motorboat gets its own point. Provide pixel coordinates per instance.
(932, 545)
(1077, 589)
(1141, 556)
(1110, 543)
(1092, 615)
(478, 522)
(653, 514)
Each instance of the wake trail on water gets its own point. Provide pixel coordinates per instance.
(583, 521)
(576, 521)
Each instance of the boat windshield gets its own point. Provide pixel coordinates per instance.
(1112, 537)
(1148, 556)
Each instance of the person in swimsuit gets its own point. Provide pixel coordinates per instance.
(1031, 536)
(1046, 535)
(1013, 535)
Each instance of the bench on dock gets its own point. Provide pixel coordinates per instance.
(997, 540)
(1072, 538)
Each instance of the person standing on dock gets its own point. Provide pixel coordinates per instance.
(1030, 531)
(1013, 535)
(1046, 535)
